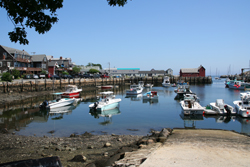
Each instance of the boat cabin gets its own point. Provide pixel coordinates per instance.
(71, 88)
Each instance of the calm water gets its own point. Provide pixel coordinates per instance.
(134, 116)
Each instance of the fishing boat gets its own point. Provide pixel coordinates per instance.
(219, 107)
(58, 102)
(134, 89)
(242, 106)
(191, 106)
(148, 85)
(183, 89)
(141, 84)
(107, 87)
(107, 102)
(237, 84)
(71, 91)
(151, 95)
(166, 82)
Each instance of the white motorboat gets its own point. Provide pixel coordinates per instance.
(141, 84)
(71, 91)
(107, 102)
(148, 85)
(134, 90)
(166, 82)
(219, 107)
(58, 102)
(151, 95)
(191, 106)
(242, 106)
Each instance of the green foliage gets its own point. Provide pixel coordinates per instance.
(15, 73)
(76, 69)
(117, 2)
(43, 72)
(65, 73)
(93, 71)
(92, 64)
(7, 77)
(30, 13)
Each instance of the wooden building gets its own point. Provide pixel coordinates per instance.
(193, 72)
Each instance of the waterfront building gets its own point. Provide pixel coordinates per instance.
(85, 69)
(11, 58)
(169, 72)
(121, 71)
(58, 65)
(193, 72)
(152, 73)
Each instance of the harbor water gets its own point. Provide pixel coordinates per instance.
(135, 116)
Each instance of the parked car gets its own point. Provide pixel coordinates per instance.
(104, 76)
(87, 76)
(75, 75)
(35, 76)
(55, 77)
(28, 76)
(96, 75)
(69, 77)
(64, 76)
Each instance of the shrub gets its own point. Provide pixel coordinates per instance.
(15, 73)
(7, 77)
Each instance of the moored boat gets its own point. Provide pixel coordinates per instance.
(58, 102)
(219, 107)
(151, 95)
(166, 82)
(134, 90)
(71, 91)
(191, 106)
(148, 85)
(107, 86)
(107, 102)
(242, 106)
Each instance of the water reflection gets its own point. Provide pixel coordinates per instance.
(20, 118)
(134, 97)
(106, 115)
(221, 118)
(190, 120)
(150, 101)
(245, 125)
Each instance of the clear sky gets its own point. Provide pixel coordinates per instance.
(147, 34)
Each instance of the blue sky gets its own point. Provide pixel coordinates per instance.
(147, 34)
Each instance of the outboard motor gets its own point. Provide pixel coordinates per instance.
(95, 105)
(44, 104)
(227, 109)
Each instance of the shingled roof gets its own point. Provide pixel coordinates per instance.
(38, 58)
(13, 50)
(191, 70)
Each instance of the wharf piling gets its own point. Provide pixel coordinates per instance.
(85, 84)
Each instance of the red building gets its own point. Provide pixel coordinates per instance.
(193, 72)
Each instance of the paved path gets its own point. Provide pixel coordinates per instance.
(201, 148)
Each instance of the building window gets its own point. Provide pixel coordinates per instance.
(1, 64)
(8, 64)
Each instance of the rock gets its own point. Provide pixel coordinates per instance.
(72, 135)
(52, 131)
(90, 147)
(164, 133)
(150, 141)
(79, 158)
(90, 165)
(107, 145)
(162, 139)
(119, 139)
(5, 130)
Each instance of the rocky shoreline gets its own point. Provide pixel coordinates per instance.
(76, 150)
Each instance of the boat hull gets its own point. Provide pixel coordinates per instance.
(195, 108)
(240, 110)
(106, 107)
(61, 103)
(71, 95)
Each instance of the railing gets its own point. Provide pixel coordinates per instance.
(22, 60)
(28, 69)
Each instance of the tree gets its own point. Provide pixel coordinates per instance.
(6, 77)
(43, 72)
(65, 73)
(15, 73)
(92, 64)
(31, 13)
(76, 69)
(93, 71)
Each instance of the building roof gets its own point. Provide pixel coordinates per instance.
(13, 50)
(38, 58)
(189, 70)
(153, 72)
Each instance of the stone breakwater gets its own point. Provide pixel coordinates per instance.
(80, 150)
